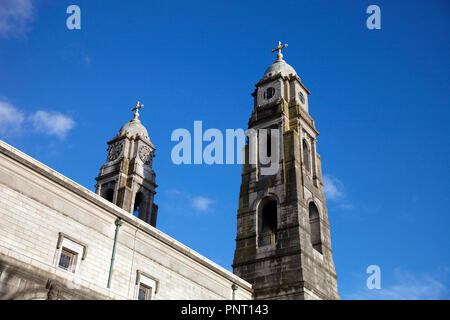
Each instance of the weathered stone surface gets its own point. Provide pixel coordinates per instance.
(291, 267)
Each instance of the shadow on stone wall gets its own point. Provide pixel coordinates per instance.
(20, 281)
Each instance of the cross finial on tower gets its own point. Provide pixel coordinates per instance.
(136, 110)
(279, 48)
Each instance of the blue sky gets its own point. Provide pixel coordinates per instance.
(379, 99)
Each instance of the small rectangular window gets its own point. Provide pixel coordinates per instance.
(144, 292)
(146, 286)
(69, 254)
(67, 260)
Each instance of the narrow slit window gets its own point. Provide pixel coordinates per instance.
(306, 156)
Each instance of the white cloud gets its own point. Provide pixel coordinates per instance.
(201, 203)
(15, 16)
(409, 286)
(52, 123)
(180, 200)
(332, 187)
(11, 119)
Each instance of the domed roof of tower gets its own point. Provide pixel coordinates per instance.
(134, 127)
(279, 66)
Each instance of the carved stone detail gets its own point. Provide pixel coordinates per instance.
(115, 150)
(146, 155)
(53, 290)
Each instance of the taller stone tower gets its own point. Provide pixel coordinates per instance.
(283, 244)
(127, 178)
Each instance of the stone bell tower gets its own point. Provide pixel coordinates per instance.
(127, 178)
(283, 244)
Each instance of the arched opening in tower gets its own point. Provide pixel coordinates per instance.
(137, 204)
(314, 223)
(269, 223)
(306, 156)
(109, 195)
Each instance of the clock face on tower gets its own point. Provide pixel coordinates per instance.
(114, 151)
(146, 155)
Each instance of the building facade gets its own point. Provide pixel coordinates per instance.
(59, 240)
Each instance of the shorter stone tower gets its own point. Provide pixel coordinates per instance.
(127, 178)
